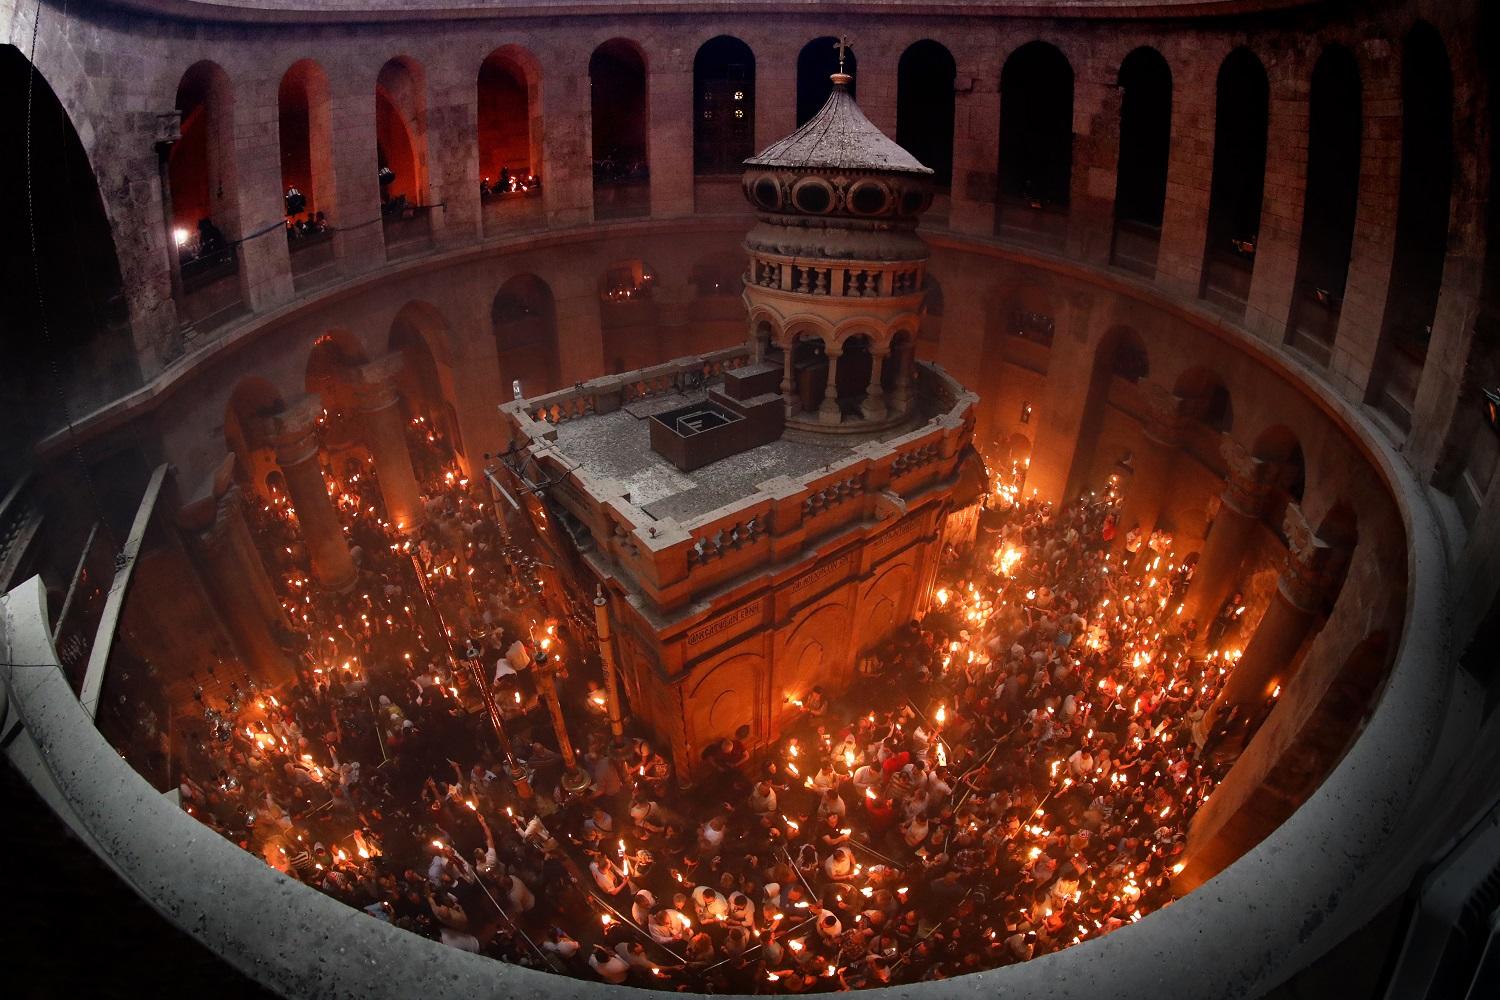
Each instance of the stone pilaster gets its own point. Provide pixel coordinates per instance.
(385, 436)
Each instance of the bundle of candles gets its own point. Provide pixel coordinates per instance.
(1016, 776)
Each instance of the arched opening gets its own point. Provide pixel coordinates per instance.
(305, 130)
(401, 150)
(628, 317)
(1335, 118)
(809, 372)
(523, 318)
(1036, 144)
(856, 365)
(618, 103)
(819, 60)
(64, 310)
(724, 106)
(1145, 143)
(205, 209)
(924, 107)
(330, 377)
(1206, 400)
(1241, 119)
(253, 401)
(510, 137)
(425, 385)
(1422, 216)
(1105, 431)
(1286, 476)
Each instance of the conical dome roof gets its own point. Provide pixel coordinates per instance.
(839, 137)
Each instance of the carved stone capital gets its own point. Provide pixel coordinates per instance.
(1246, 485)
(375, 382)
(291, 430)
(1309, 563)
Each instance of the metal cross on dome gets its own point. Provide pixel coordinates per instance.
(843, 46)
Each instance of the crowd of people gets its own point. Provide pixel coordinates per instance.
(1015, 773)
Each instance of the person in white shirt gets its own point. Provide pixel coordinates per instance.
(610, 967)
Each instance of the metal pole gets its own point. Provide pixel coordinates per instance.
(611, 672)
(574, 779)
(67, 603)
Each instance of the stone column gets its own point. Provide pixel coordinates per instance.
(976, 140)
(1278, 244)
(169, 133)
(828, 410)
(265, 262)
(1223, 552)
(242, 591)
(1153, 460)
(385, 436)
(669, 140)
(788, 394)
(901, 394)
(1285, 626)
(354, 209)
(297, 455)
(873, 407)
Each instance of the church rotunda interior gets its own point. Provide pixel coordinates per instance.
(751, 498)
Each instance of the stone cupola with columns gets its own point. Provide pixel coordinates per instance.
(837, 273)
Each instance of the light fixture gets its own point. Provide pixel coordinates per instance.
(180, 236)
(1025, 413)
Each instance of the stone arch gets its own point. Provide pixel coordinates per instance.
(1206, 398)
(809, 650)
(1279, 446)
(886, 601)
(201, 166)
(252, 401)
(1036, 140)
(421, 334)
(1242, 111)
(725, 697)
(818, 60)
(723, 105)
(924, 106)
(329, 375)
(1335, 120)
(67, 339)
(305, 132)
(401, 130)
(1145, 82)
(620, 115)
(523, 321)
(510, 117)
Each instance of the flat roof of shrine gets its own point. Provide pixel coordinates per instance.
(618, 445)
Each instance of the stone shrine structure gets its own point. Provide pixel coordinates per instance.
(762, 516)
